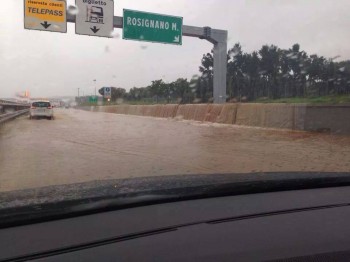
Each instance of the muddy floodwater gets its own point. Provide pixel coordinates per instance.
(80, 146)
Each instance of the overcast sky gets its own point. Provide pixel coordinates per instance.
(50, 64)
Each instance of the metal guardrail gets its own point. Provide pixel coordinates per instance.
(6, 117)
(12, 103)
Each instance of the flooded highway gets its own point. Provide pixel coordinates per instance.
(80, 146)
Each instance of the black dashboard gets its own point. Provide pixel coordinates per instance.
(297, 225)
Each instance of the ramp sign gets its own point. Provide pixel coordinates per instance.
(107, 92)
(45, 15)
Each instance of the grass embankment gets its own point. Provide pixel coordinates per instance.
(340, 99)
(127, 103)
(329, 100)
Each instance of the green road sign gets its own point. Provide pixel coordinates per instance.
(149, 27)
(92, 99)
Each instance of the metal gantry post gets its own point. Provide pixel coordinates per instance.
(219, 39)
(220, 70)
(215, 36)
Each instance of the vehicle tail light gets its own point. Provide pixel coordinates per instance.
(49, 107)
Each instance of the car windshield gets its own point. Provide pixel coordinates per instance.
(41, 104)
(142, 96)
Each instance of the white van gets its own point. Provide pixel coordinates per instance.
(41, 109)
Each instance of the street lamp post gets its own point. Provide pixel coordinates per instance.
(95, 86)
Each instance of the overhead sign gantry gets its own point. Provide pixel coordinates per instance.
(95, 20)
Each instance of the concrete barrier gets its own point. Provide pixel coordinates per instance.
(142, 110)
(158, 110)
(191, 111)
(180, 111)
(139, 110)
(228, 114)
(169, 111)
(109, 109)
(279, 116)
(147, 110)
(186, 112)
(153, 110)
(213, 113)
(333, 118)
(90, 108)
(121, 109)
(271, 115)
(250, 115)
(200, 112)
(299, 117)
(131, 110)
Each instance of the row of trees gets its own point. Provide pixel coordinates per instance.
(275, 73)
(270, 72)
(179, 91)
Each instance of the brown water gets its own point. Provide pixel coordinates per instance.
(82, 146)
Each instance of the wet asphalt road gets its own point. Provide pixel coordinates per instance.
(80, 146)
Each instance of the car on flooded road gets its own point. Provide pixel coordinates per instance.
(39, 109)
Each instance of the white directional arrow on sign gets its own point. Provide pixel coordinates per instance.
(176, 39)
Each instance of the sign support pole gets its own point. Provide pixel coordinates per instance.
(220, 71)
(215, 36)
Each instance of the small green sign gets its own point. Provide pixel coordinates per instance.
(92, 99)
(150, 27)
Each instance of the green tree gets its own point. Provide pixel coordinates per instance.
(270, 67)
(206, 79)
(157, 89)
(235, 72)
(182, 90)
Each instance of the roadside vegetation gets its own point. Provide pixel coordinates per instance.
(270, 74)
(337, 99)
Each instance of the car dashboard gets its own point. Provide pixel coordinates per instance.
(296, 225)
